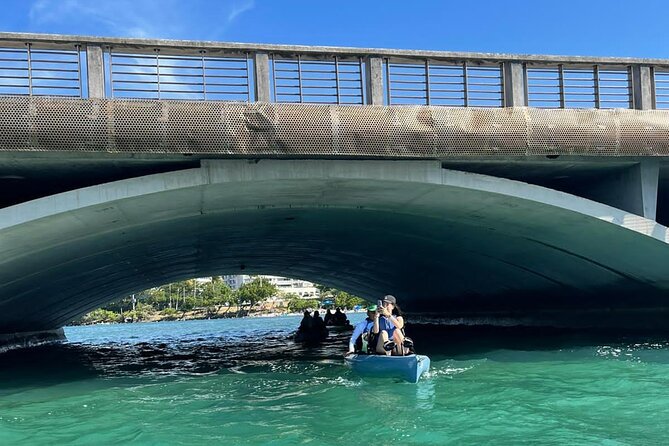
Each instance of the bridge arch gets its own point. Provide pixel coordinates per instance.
(447, 243)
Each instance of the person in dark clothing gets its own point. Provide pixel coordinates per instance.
(317, 321)
(307, 321)
(328, 317)
(340, 318)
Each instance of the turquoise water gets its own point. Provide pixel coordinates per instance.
(240, 381)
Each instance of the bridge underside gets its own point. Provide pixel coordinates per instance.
(53, 145)
(450, 245)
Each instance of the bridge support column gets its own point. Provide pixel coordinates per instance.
(514, 85)
(633, 190)
(642, 87)
(374, 80)
(261, 73)
(13, 341)
(96, 71)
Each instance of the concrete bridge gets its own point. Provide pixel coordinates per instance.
(481, 188)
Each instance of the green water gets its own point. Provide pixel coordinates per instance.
(241, 382)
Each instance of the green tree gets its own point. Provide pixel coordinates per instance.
(216, 294)
(141, 312)
(169, 313)
(257, 290)
(341, 298)
(100, 316)
(345, 300)
(297, 305)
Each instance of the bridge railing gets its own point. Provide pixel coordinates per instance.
(89, 67)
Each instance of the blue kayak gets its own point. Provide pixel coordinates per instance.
(409, 367)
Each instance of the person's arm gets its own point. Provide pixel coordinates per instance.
(375, 329)
(356, 334)
(397, 321)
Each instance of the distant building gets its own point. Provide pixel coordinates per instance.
(302, 288)
(236, 281)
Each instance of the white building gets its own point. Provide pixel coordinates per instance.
(302, 288)
(236, 281)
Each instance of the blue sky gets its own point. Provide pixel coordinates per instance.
(585, 27)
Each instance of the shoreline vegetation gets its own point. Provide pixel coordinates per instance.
(213, 299)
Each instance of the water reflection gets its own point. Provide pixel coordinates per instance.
(259, 352)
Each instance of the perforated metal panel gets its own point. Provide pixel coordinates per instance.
(303, 130)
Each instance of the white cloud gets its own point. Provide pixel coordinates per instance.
(238, 8)
(137, 18)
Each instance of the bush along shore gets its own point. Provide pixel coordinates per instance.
(211, 299)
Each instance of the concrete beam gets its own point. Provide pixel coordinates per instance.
(633, 189)
(374, 80)
(96, 72)
(643, 87)
(261, 73)
(133, 45)
(514, 85)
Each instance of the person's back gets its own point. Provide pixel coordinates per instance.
(306, 322)
(318, 322)
(339, 317)
(328, 317)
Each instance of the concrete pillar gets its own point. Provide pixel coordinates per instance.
(261, 77)
(95, 69)
(643, 94)
(633, 189)
(374, 80)
(514, 84)
(649, 175)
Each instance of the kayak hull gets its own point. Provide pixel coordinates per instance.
(310, 337)
(409, 368)
(340, 327)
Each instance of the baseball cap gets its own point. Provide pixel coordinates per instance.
(390, 299)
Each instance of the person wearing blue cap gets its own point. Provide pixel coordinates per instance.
(362, 333)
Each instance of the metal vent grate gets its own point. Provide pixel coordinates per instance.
(37, 72)
(563, 87)
(158, 76)
(433, 83)
(661, 89)
(333, 81)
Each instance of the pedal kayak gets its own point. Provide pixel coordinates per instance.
(409, 367)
